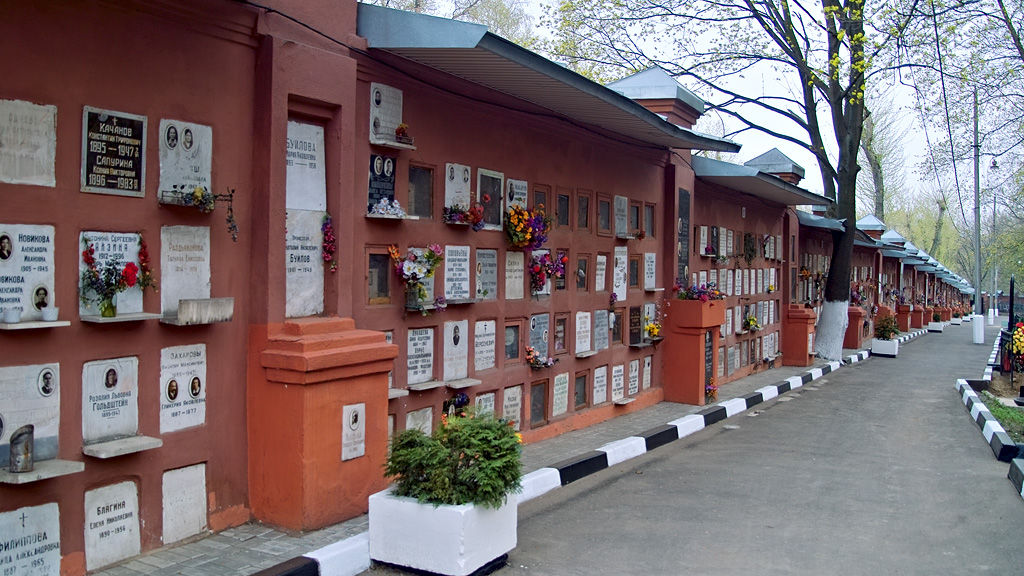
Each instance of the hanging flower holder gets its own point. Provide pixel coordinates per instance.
(202, 199)
(543, 267)
(527, 229)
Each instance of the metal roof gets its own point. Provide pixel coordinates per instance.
(470, 52)
(754, 182)
(814, 221)
(870, 222)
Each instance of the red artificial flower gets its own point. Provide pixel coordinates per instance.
(131, 274)
(536, 268)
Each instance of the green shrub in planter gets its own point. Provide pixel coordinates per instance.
(956, 314)
(886, 328)
(936, 317)
(468, 459)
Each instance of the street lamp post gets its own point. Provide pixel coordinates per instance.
(995, 275)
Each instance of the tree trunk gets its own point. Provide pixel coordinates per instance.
(938, 228)
(867, 144)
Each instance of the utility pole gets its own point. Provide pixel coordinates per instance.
(977, 213)
(995, 273)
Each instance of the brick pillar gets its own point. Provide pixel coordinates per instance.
(687, 322)
(797, 336)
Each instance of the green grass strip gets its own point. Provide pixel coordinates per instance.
(1012, 419)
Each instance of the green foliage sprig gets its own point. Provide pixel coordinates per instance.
(886, 328)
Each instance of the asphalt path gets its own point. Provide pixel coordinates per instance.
(873, 469)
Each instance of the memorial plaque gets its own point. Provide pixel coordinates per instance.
(111, 524)
(515, 275)
(353, 431)
(26, 268)
(744, 354)
(746, 281)
(650, 270)
(634, 377)
(646, 381)
(512, 406)
(113, 152)
(702, 278)
(683, 236)
(456, 350)
(728, 323)
(186, 159)
(110, 246)
(723, 241)
(760, 281)
(184, 265)
(622, 216)
(385, 112)
(420, 360)
(600, 270)
(619, 272)
(516, 193)
(182, 387)
(709, 359)
(484, 341)
(704, 241)
(489, 193)
(422, 420)
(487, 274)
(729, 282)
(721, 361)
(28, 143)
(713, 278)
(771, 277)
(110, 399)
(601, 330)
(485, 403)
(456, 186)
(381, 189)
(771, 312)
(184, 503)
(582, 332)
(535, 256)
(456, 273)
(560, 329)
(561, 389)
(636, 329)
(738, 321)
(618, 382)
(31, 541)
(31, 395)
(600, 384)
(713, 241)
(304, 264)
(539, 324)
(729, 246)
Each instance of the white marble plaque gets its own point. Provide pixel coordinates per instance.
(487, 274)
(108, 246)
(184, 265)
(728, 276)
(618, 382)
(561, 396)
(713, 277)
(304, 264)
(30, 395)
(771, 312)
(484, 341)
(456, 186)
(353, 431)
(760, 281)
(515, 270)
(184, 502)
(539, 324)
(28, 144)
(600, 272)
(729, 242)
(420, 361)
(771, 278)
(582, 332)
(186, 158)
(111, 524)
(619, 273)
(721, 361)
(30, 541)
(485, 403)
(634, 376)
(723, 241)
(306, 170)
(601, 330)
(456, 273)
(622, 216)
(26, 268)
(646, 381)
(728, 323)
(703, 245)
(422, 419)
(746, 281)
(650, 270)
(512, 406)
(516, 193)
(456, 349)
(385, 112)
(600, 384)
(110, 399)
(702, 278)
(182, 387)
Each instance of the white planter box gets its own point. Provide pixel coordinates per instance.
(884, 347)
(935, 326)
(956, 321)
(450, 540)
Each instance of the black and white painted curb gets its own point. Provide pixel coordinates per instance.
(911, 335)
(1004, 448)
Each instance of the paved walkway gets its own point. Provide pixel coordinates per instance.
(253, 547)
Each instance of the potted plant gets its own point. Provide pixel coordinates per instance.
(936, 324)
(956, 321)
(884, 343)
(449, 510)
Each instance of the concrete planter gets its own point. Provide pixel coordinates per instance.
(935, 326)
(956, 321)
(449, 540)
(888, 348)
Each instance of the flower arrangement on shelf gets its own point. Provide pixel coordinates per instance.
(703, 292)
(886, 328)
(722, 259)
(771, 288)
(640, 235)
(402, 134)
(856, 295)
(472, 216)
(195, 196)
(543, 266)
(711, 390)
(804, 273)
(611, 302)
(470, 458)
(385, 208)
(102, 283)
(652, 325)
(330, 245)
(527, 229)
(751, 323)
(416, 266)
(536, 361)
(709, 250)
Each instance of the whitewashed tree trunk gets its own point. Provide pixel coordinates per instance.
(828, 340)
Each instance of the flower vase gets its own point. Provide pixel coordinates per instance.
(108, 307)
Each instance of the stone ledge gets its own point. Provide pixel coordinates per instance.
(121, 446)
(44, 469)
